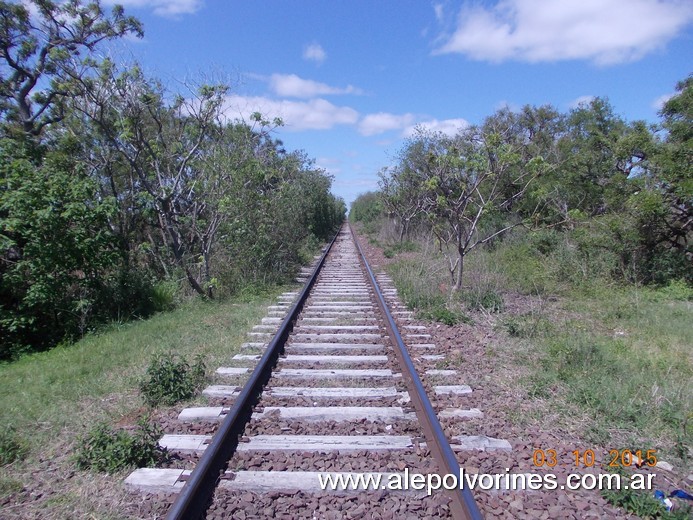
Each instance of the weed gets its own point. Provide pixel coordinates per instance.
(171, 379)
(9, 486)
(163, 295)
(485, 299)
(442, 314)
(107, 450)
(12, 447)
(642, 503)
(406, 246)
(677, 290)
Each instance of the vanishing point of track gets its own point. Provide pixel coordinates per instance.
(334, 390)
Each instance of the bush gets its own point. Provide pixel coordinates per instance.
(163, 296)
(12, 447)
(107, 450)
(406, 246)
(366, 208)
(171, 379)
(444, 315)
(485, 299)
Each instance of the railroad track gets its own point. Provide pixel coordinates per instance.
(345, 399)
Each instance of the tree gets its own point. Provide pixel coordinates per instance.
(164, 147)
(464, 180)
(57, 251)
(400, 193)
(366, 208)
(44, 47)
(663, 207)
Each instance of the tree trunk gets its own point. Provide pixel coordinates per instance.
(460, 270)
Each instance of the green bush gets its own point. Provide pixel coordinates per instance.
(484, 299)
(406, 246)
(642, 503)
(107, 450)
(171, 379)
(444, 315)
(12, 447)
(163, 296)
(366, 208)
(677, 290)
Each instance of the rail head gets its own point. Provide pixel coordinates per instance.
(194, 498)
(462, 505)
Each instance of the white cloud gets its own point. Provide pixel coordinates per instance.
(658, 104)
(580, 101)
(373, 124)
(446, 126)
(602, 31)
(167, 8)
(329, 164)
(293, 86)
(316, 114)
(439, 11)
(314, 52)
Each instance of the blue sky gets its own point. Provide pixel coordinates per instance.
(351, 79)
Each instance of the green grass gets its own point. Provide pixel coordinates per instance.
(418, 282)
(49, 391)
(629, 361)
(406, 246)
(53, 398)
(618, 353)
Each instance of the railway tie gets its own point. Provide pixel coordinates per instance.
(327, 385)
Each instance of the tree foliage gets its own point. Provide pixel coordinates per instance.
(616, 188)
(113, 186)
(459, 183)
(44, 55)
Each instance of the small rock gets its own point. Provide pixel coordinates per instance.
(664, 465)
(517, 504)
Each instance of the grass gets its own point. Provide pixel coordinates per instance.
(628, 360)
(50, 399)
(418, 282)
(620, 354)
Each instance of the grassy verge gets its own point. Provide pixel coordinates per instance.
(623, 356)
(50, 399)
(620, 354)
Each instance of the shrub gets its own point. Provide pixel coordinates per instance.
(406, 246)
(12, 447)
(485, 299)
(642, 504)
(444, 315)
(171, 379)
(163, 296)
(107, 450)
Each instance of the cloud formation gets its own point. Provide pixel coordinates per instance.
(290, 85)
(446, 126)
(580, 101)
(602, 31)
(374, 124)
(658, 104)
(314, 52)
(167, 8)
(315, 114)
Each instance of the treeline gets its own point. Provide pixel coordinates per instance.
(116, 192)
(617, 194)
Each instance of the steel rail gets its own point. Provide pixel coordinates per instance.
(462, 505)
(195, 496)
